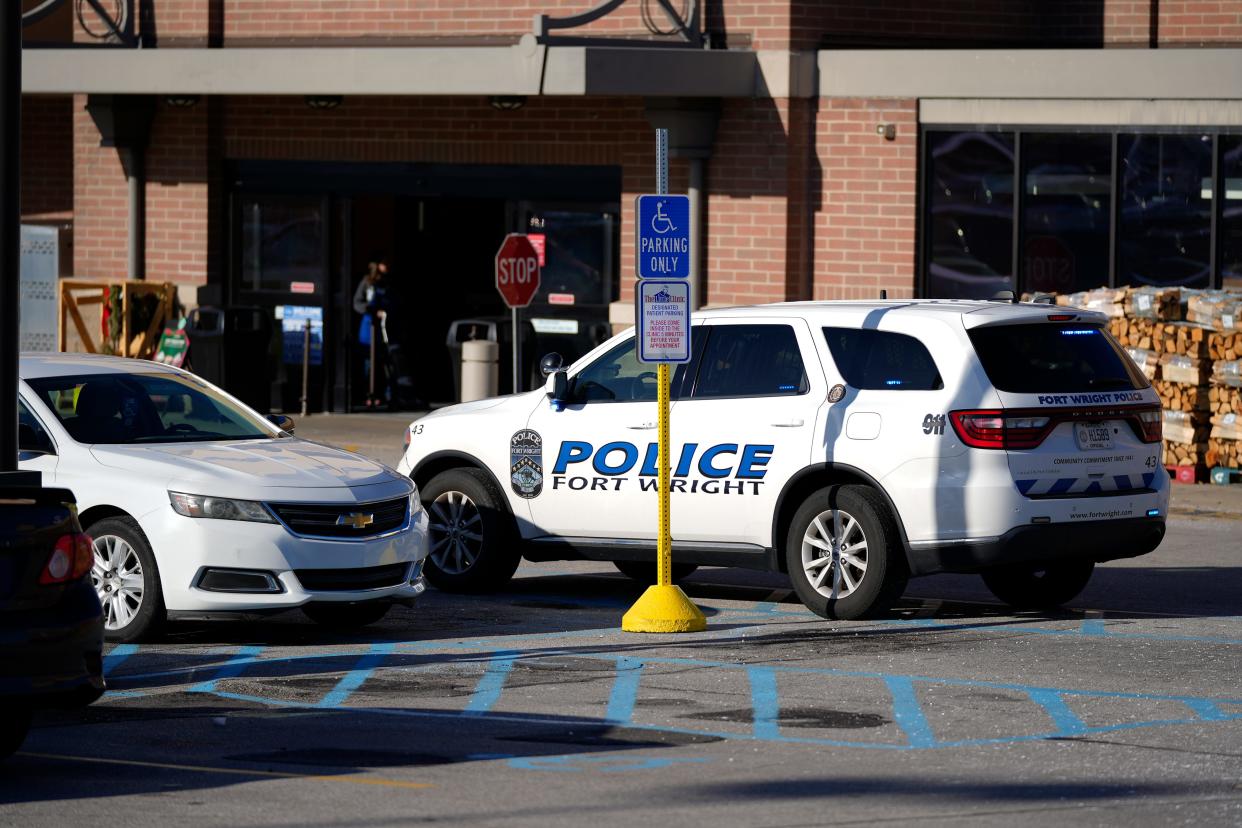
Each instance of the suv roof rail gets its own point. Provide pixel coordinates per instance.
(1003, 296)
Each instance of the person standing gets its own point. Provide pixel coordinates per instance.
(371, 299)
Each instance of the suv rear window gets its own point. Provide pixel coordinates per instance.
(1036, 359)
(881, 360)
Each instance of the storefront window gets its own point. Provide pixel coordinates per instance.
(970, 213)
(1066, 210)
(1164, 234)
(1230, 226)
(283, 247)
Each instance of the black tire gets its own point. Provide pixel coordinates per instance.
(483, 554)
(1039, 586)
(13, 728)
(645, 571)
(147, 619)
(885, 574)
(347, 616)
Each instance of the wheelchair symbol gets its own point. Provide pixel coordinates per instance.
(661, 223)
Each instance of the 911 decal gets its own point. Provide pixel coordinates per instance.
(933, 424)
(526, 463)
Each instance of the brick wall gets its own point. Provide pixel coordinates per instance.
(100, 201)
(178, 214)
(864, 229)
(1199, 22)
(47, 157)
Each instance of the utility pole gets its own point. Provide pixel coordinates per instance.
(10, 229)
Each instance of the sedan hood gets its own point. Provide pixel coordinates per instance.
(239, 468)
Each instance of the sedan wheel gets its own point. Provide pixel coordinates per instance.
(455, 529)
(117, 578)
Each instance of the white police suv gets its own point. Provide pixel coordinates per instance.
(849, 444)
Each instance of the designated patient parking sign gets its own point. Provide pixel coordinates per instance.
(663, 319)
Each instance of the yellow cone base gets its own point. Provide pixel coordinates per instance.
(663, 609)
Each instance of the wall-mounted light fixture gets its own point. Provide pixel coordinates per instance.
(507, 103)
(889, 131)
(323, 101)
(181, 101)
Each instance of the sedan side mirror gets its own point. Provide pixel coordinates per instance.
(282, 422)
(557, 387)
(550, 364)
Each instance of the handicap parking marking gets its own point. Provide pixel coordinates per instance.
(117, 656)
(492, 683)
(624, 693)
(242, 658)
(355, 678)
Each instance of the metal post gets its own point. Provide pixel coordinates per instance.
(306, 345)
(696, 230)
(664, 543)
(136, 226)
(10, 224)
(517, 352)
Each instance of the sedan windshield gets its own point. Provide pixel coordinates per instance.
(145, 408)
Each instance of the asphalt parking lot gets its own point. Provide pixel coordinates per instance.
(530, 707)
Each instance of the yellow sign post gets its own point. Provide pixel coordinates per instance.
(663, 608)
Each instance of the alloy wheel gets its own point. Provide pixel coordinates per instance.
(834, 553)
(118, 580)
(455, 529)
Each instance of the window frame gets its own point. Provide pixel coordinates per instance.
(22, 405)
(823, 330)
(1019, 131)
(712, 329)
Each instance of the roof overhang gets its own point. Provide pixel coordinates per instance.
(526, 68)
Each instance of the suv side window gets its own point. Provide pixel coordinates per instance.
(36, 439)
(751, 361)
(881, 360)
(618, 376)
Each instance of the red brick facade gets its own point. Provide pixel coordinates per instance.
(805, 199)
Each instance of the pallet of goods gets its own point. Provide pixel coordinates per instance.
(1160, 304)
(1218, 309)
(1224, 454)
(1108, 301)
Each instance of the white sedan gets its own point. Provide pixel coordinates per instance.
(199, 506)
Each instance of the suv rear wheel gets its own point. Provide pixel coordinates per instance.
(473, 543)
(843, 553)
(1039, 586)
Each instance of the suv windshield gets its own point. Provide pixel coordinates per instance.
(145, 408)
(1038, 358)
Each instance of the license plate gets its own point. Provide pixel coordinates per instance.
(1093, 436)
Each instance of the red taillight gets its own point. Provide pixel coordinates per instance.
(72, 557)
(1152, 423)
(994, 429)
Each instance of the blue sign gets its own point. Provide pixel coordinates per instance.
(293, 320)
(662, 237)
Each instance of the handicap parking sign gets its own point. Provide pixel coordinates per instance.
(662, 237)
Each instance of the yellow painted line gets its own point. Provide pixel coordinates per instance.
(351, 780)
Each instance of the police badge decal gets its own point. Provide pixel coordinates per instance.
(526, 463)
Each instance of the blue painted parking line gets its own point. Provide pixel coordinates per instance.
(116, 656)
(1066, 721)
(356, 677)
(243, 657)
(765, 702)
(624, 690)
(908, 713)
(490, 686)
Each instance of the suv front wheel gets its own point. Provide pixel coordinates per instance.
(472, 538)
(843, 553)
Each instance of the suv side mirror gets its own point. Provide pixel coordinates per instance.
(31, 439)
(557, 386)
(550, 364)
(282, 422)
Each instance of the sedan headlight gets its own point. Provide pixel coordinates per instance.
(220, 508)
(416, 505)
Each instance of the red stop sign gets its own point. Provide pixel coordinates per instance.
(517, 270)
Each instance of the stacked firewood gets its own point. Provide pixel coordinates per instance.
(1217, 309)
(1225, 403)
(1162, 304)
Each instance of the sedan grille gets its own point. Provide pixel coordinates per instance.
(343, 520)
(345, 580)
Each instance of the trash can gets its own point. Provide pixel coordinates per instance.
(497, 329)
(229, 348)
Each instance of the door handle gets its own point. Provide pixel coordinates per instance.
(642, 426)
(789, 424)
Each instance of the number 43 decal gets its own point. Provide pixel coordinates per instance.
(933, 424)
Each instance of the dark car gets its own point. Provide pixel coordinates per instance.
(51, 623)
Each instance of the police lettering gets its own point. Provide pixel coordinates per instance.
(723, 460)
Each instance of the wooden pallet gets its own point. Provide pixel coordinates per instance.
(1188, 474)
(77, 295)
(1223, 475)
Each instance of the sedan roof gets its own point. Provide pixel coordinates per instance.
(34, 365)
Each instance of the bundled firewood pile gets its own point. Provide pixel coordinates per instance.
(1189, 344)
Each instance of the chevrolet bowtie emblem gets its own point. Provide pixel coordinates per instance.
(358, 520)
